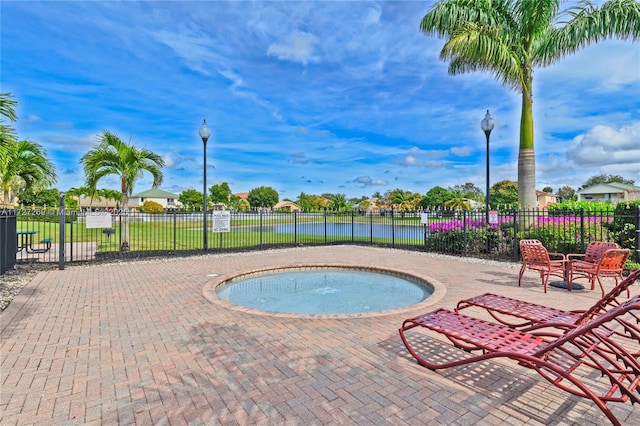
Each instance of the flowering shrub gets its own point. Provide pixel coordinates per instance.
(449, 236)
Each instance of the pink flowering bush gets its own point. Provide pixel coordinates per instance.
(450, 236)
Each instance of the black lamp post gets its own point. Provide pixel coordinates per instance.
(204, 134)
(487, 125)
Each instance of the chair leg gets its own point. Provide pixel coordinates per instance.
(599, 282)
(522, 269)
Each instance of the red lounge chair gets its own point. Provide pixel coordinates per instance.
(517, 313)
(565, 360)
(610, 264)
(536, 257)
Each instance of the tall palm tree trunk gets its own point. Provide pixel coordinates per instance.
(526, 155)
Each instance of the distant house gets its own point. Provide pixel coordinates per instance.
(544, 199)
(614, 192)
(166, 199)
(97, 203)
(243, 195)
(287, 205)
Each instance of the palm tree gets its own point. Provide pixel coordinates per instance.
(338, 202)
(509, 38)
(458, 201)
(112, 156)
(7, 110)
(7, 132)
(23, 165)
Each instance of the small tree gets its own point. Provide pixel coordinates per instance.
(263, 196)
(220, 193)
(44, 197)
(458, 201)
(469, 190)
(338, 202)
(504, 193)
(435, 197)
(566, 193)
(151, 207)
(191, 199)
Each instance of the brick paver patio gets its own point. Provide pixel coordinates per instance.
(147, 343)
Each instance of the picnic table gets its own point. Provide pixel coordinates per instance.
(25, 242)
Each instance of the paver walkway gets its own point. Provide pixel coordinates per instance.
(143, 343)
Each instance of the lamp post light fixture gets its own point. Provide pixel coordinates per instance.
(487, 125)
(205, 132)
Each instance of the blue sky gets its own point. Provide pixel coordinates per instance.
(340, 97)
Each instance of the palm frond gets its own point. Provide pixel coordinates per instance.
(585, 24)
(473, 47)
(445, 17)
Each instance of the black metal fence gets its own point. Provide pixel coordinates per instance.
(7, 237)
(460, 233)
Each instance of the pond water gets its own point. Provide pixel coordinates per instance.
(378, 230)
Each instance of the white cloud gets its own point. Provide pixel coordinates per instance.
(193, 50)
(589, 65)
(373, 16)
(368, 181)
(463, 151)
(603, 145)
(298, 48)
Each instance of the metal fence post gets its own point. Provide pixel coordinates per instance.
(581, 230)
(325, 225)
(464, 233)
(636, 217)
(516, 244)
(393, 228)
(260, 228)
(353, 231)
(71, 223)
(62, 229)
(371, 227)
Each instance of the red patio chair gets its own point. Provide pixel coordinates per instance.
(567, 360)
(594, 251)
(518, 313)
(536, 257)
(610, 264)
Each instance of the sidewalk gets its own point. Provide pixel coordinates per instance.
(143, 343)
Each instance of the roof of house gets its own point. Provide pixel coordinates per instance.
(243, 195)
(286, 203)
(604, 188)
(155, 193)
